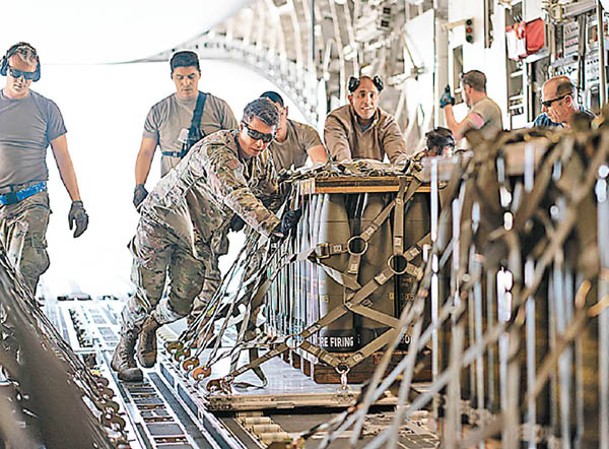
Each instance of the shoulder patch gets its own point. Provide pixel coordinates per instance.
(232, 164)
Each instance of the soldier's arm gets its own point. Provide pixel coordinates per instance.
(225, 175)
(144, 160)
(318, 154)
(472, 121)
(59, 145)
(336, 140)
(393, 141)
(311, 143)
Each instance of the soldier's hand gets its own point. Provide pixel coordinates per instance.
(289, 221)
(236, 223)
(78, 218)
(446, 98)
(139, 194)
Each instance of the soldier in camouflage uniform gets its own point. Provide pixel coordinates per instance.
(168, 126)
(183, 221)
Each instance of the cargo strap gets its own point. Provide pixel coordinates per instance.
(299, 340)
(356, 300)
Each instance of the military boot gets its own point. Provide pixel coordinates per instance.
(146, 347)
(123, 362)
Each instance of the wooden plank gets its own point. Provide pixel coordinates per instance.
(353, 184)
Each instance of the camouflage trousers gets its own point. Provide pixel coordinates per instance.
(160, 258)
(23, 228)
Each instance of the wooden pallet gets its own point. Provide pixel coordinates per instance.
(324, 374)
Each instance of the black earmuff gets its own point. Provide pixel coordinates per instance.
(378, 82)
(353, 83)
(11, 51)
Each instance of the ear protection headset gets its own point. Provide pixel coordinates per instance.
(13, 50)
(353, 83)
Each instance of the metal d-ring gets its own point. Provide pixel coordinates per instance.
(352, 245)
(394, 260)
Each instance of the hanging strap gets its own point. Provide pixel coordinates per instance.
(194, 132)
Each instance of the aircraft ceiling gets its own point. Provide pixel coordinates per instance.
(76, 31)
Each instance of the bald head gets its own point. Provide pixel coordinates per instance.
(559, 99)
(557, 87)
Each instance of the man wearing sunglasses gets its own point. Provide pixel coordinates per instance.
(559, 104)
(174, 124)
(361, 129)
(29, 123)
(182, 220)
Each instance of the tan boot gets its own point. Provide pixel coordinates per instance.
(146, 347)
(123, 362)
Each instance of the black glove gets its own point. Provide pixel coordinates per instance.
(236, 223)
(288, 222)
(78, 218)
(139, 194)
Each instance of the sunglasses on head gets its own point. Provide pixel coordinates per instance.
(548, 103)
(257, 135)
(20, 73)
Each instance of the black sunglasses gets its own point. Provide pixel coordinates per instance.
(548, 103)
(20, 73)
(257, 135)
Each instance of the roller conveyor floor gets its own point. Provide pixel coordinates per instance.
(168, 410)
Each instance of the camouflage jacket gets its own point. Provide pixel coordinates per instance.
(197, 199)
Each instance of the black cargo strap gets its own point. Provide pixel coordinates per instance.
(194, 132)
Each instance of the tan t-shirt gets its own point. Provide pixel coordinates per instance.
(489, 120)
(168, 117)
(345, 139)
(293, 151)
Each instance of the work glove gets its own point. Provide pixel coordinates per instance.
(236, 223)
(446, 98)
(288, 222)
(139, 194)
(78, 218)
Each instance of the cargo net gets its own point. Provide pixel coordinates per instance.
(517, 278)
(507, 295)
(48, 397)
(331, 291)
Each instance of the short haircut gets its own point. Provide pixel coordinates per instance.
(184, 59)
(475, 79)
(273, 96)
(263, 109)
(26, 52)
